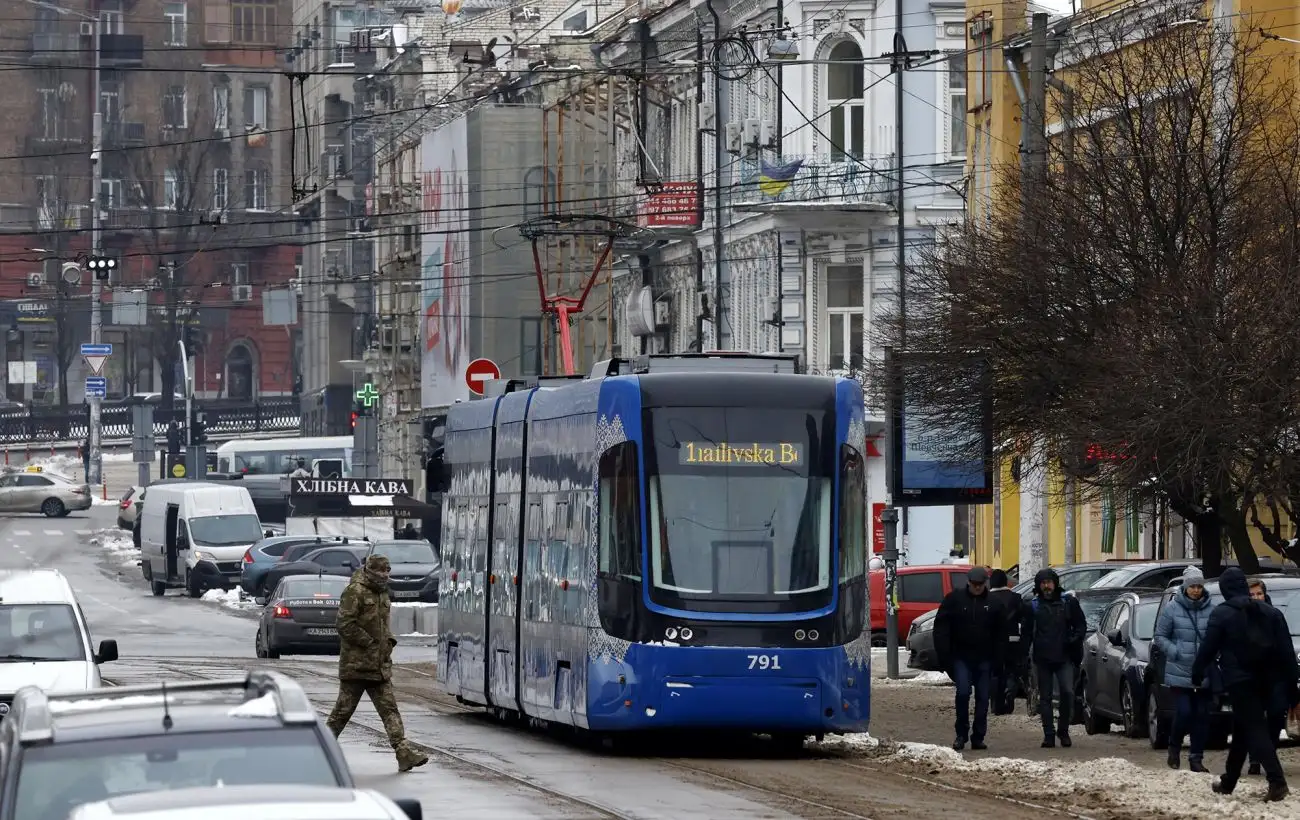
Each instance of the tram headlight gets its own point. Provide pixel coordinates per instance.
(687, 634)
(671, 633)
(812, 634)
(799, 635)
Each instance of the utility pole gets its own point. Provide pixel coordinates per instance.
(721, 104)
(900, 60)
(1033, 174)
(95, 465)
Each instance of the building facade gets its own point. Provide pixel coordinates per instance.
(189, 202)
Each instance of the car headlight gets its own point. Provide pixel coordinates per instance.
(200, 555)
(925, 626)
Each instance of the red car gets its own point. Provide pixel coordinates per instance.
(919, 589)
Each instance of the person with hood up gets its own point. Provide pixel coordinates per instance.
(366, 658)
(1054, 632)
(969, 631)
(1008, 677)
(1180, 631)
(1277, 704)
(1252, 644)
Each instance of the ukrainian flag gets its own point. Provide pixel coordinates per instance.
(774, 178)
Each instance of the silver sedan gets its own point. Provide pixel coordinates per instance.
(33, 491)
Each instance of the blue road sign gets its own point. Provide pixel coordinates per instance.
(96, 350)
(96, 386)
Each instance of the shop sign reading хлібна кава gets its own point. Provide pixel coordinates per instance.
(350, 486)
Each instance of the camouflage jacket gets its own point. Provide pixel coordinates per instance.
(365, 637)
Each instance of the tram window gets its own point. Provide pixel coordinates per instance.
(920, 587)
(620, 512)
(852, 514)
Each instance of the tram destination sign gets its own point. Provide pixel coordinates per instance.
(350, 486)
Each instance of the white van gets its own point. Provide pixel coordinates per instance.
(193, 535)
(44, 638)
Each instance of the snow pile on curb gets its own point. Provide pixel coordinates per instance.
(910, 678)
(411, 605)
(119, 547)
(415, 635)
(850, 743)
(229, 599)
(1141, 791)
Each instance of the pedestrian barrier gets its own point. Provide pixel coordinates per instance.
(408, 618)
(48, 426)
(402, 620)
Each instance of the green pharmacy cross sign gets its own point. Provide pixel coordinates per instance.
(368, 395)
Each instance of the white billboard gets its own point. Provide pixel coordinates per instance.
(444, 272)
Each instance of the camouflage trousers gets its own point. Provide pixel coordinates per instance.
(381, 695)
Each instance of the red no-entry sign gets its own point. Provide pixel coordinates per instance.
(479, 372)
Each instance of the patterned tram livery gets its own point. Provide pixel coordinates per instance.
(679, 543)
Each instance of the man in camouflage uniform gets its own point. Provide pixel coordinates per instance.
(366, 658)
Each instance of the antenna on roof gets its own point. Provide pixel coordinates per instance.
(167, 715)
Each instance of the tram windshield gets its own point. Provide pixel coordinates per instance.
(739, 509)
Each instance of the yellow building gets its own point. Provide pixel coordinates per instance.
(1109, 527)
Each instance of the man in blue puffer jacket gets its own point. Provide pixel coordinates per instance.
(1180, 631)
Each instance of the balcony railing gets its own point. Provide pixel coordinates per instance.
(55, 47)
(815, 180)
(119, 134)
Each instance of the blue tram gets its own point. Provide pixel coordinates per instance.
(674, 542)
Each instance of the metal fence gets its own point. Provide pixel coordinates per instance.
(225, 419)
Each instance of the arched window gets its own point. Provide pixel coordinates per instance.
(240, 373)
(539, 190)
(846, 101)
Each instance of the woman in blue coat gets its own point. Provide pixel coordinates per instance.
(1179, 633)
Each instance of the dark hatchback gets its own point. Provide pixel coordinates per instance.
(1115, 665)
(301, 617)
(414, 576)
(1284, 591)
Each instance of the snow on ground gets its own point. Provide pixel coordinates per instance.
(119, 546)
(230, 599)
(910, 677)
(1142, 791)
(850, 743)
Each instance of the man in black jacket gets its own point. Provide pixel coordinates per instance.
(1054, 630)
(969, 633)
(1007, 677)
(1252, 644)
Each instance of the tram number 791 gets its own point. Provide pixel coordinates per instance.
(764, 661)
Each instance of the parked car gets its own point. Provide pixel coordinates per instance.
(920, 637)
(300, 616)
(1153, 574)
(340, 560)
(1116, 662)
(266, 553)
(1284, 592)
(919, 590)
(262, 802)
(33, 490)
(127, 511)
(1093, 602)
(415, 570)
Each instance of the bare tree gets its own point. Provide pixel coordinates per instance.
(1143, 307)
(171, 191)
(58, 218)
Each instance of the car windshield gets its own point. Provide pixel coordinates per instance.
(1093, 606)
(407, 552)
(225, 530)
(1144, 620)
(1071, 579)
(40, 632)
(53, 779)
(739, 508)
(307, 587)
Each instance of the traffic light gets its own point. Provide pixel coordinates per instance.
(198, 427)
(355, 416)
(102, 266)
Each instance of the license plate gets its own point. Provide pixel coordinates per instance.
(410, 593)
(322, 631)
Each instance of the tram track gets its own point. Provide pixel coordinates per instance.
(821, 786)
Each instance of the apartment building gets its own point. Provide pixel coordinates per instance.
(192, 198)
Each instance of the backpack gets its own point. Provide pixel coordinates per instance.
(1256, 648)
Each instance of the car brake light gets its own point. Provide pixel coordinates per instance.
(248, 556)
(282, 612)
(126, 503)
(81, 491)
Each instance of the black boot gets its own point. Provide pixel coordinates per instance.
(1276, 792)
(959, 744)
(1064, 737)
(1175, 757)
(1221, 785)
(1049, 742)
(1195, 763)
